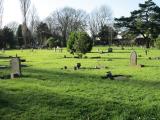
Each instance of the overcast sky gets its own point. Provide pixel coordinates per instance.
(45, 7)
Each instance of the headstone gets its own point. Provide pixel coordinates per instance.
(3, 51)
(60, 50)
(15, 67)
(65, 67)
(55, 49)
(21, 49)
(101, 52)
(110, 50)
(133, 58)
(32, 50)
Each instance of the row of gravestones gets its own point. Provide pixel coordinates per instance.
(133, 61)
(16, 64)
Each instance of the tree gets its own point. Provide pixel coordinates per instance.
(7, 38)
(106, 34)
(71, 41)
(67, 20)
(43, 33)
(80, 43)
(25, 4)
(145, 21)
(98, 18)
(19, 36)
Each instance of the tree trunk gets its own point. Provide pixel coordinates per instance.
(24, 31)
(148, 42)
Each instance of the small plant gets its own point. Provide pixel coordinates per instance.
(78, 65)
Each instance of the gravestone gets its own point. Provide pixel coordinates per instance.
(15, 67)
(32, 50)
(133, 58)
(61, 50)
(3, 50)
(21, 49)
(110, 50)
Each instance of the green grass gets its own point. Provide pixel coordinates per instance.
(45, 92)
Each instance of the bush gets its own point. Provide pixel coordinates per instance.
(79, 43)
(158, 43)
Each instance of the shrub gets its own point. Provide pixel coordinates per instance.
(70, 43)
(79, 43)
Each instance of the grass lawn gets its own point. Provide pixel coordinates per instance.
(46, 92)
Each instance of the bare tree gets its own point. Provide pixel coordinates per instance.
(98, 18)
(33, 19)
(33, 22)
(1, 12)
(51, 23)
(25, 4)
(13, 26)
(67, 20)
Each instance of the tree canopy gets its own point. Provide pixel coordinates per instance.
(145, 21)
(79, 43)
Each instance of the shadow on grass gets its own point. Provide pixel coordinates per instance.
(111, 52)
(39, 105)
(67, 75)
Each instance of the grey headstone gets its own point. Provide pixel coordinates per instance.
(15, 67)
(133, 58)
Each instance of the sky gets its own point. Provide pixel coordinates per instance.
(119, 8)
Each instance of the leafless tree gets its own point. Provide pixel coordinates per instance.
(1, 12)
(25, 4)
(13, 26)
(98, 18)
(66, 20)
(33, 19)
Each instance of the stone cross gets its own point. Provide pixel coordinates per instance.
(133, 58)
(15, 67)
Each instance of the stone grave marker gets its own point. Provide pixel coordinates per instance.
(133, 59)
(15, 67)
(3, 50)
(110, 50)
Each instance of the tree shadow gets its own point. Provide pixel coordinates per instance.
(33, 104)
(77, 77)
